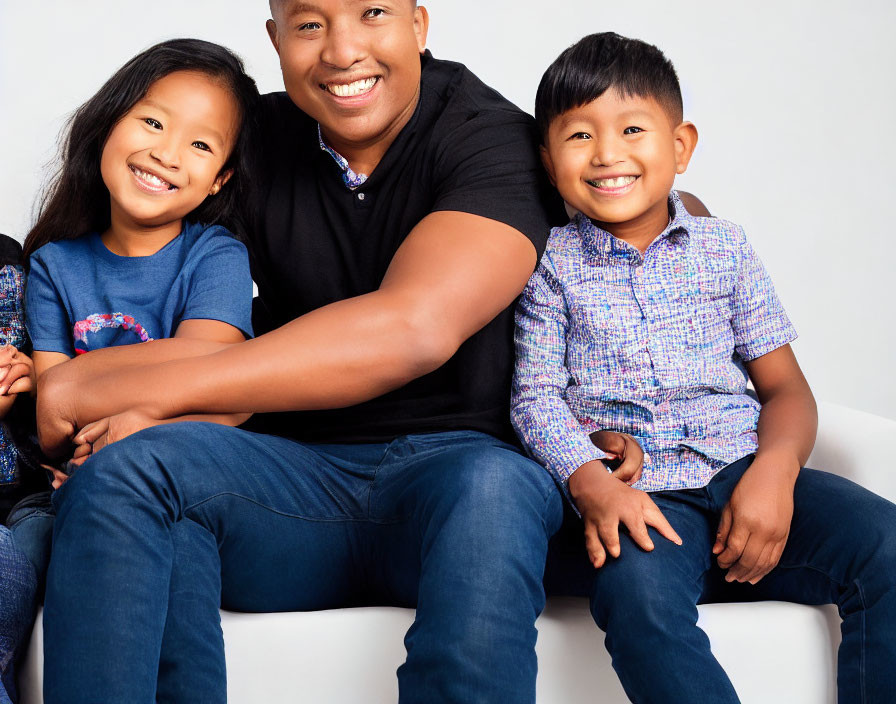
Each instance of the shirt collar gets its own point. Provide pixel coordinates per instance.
(349, 177)
(600, 244)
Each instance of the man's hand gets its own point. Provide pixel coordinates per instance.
(604, 502)
(755, 524)
(16, 372)
(622, 447)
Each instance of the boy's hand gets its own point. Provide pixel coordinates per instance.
(755, 524)
(604, 502)
(16, 371)
(620, 446)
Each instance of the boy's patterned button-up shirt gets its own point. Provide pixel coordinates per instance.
(652, 345)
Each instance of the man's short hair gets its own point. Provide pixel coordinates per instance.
(598, 62)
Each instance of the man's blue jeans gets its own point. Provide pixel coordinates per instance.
(841, 550)
(456, 524)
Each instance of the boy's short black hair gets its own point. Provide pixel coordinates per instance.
(598, 62)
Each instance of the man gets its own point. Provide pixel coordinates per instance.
(387, 363)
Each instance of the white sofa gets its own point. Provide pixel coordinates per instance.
(774, 652)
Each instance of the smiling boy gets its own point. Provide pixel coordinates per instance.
(645, 320)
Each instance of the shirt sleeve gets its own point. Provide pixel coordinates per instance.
(46, 316)
(538, 409)
(221, 285)
(758, 319)
(12, 318)
(489, 166)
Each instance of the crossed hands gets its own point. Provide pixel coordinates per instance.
(16, 372)
(753, 528)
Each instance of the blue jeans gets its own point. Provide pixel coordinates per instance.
(841, 550)
(456, 524)
(18, 585)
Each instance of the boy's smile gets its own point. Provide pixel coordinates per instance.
(615, 160)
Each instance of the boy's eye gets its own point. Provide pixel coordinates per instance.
(580, 135)
(153, 123)
(202, 145)
(632, 130)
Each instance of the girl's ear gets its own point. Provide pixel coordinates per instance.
(223, 178)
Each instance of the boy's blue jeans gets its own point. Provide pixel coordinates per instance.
(841, 550)
(456, 524)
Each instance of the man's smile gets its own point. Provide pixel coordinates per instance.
(347, 90)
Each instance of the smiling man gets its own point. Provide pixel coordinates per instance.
(401, 214)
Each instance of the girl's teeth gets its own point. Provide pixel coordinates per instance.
(151, 178)
(344, 90)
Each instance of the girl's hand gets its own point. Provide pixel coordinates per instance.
(59, 477)
(93, 437)
(604, 502)
(755, 524)
(620, 446)
(16, 372)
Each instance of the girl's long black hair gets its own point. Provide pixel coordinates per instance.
(76, 201)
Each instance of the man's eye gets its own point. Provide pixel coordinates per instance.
(374, 12)
(202, 145)
(632, 130)
(153, 123)
(309, 26)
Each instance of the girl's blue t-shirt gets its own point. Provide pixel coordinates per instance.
(79, 296)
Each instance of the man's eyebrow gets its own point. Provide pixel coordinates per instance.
(294, 8)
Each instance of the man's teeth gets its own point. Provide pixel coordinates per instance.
(151, 179)
(344, 90)
(617, 182)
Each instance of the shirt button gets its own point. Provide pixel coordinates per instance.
(360, 196)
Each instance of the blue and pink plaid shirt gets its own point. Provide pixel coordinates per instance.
(651, 344)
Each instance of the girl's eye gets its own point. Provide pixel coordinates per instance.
(153, 123)
(202, 145)
(580, 135)
(632, 130)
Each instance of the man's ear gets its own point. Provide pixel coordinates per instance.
(547, 163)
(271, 26)
(223, 178)
(685, 136)
(421, 26)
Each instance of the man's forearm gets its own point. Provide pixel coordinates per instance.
(339, 355)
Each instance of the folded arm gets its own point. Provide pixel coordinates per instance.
(451, 276)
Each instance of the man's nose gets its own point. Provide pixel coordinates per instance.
(344, 46)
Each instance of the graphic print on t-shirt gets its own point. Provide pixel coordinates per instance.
(114, 329)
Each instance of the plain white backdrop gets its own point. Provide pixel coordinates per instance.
(794, 100)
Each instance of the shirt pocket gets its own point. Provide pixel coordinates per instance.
(708, 313)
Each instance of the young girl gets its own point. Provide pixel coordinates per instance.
(132, 244)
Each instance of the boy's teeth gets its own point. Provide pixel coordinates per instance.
(618, 182)
(344, 90)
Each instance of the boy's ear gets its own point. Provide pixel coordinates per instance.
(223, 178)
(547, 163)
(685, 136)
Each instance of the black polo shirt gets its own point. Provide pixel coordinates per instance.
(465, 148)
